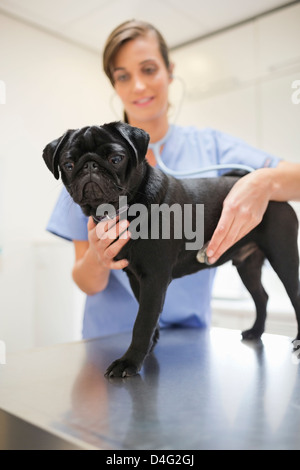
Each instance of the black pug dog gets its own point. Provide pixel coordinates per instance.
(99, 164)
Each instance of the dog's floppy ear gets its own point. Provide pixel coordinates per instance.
(52, 150)
(137, 138)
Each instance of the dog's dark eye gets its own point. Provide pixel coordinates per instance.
(115, 159)
(69, 166)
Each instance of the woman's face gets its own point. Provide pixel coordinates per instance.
(141, 80)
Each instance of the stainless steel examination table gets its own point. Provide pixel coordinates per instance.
(199, 390)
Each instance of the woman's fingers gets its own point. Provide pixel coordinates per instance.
(243, 209)
(112, 235)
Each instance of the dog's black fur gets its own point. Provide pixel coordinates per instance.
(100, 163)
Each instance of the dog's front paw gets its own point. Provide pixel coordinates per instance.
(252, 334)
(122, 368)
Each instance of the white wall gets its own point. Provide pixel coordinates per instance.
(238, 81)
(51, 85)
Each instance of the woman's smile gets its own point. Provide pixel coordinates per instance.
(143, 102)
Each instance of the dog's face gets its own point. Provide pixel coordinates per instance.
(98, 164)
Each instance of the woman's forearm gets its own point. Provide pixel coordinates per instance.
(245, 204)
(95, 257)
(285, 182)
(90, 275)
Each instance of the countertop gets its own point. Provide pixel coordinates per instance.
(200, 389)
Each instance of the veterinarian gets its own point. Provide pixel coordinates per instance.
(136, 61)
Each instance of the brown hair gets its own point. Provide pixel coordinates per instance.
(127, 31)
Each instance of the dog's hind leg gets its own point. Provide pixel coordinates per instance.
(250, 273)
(280, 245)
(286, 266)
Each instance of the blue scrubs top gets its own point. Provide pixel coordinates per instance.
(188, 299)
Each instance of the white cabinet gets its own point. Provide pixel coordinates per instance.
(58, 303)
(280, 117)
(278, 40)
(218, 63)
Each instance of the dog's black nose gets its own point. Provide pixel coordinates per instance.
(91, 166)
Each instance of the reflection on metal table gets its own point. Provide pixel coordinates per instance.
(199, 390)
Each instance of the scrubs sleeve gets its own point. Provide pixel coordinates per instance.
(67, 219)
(233, 150)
